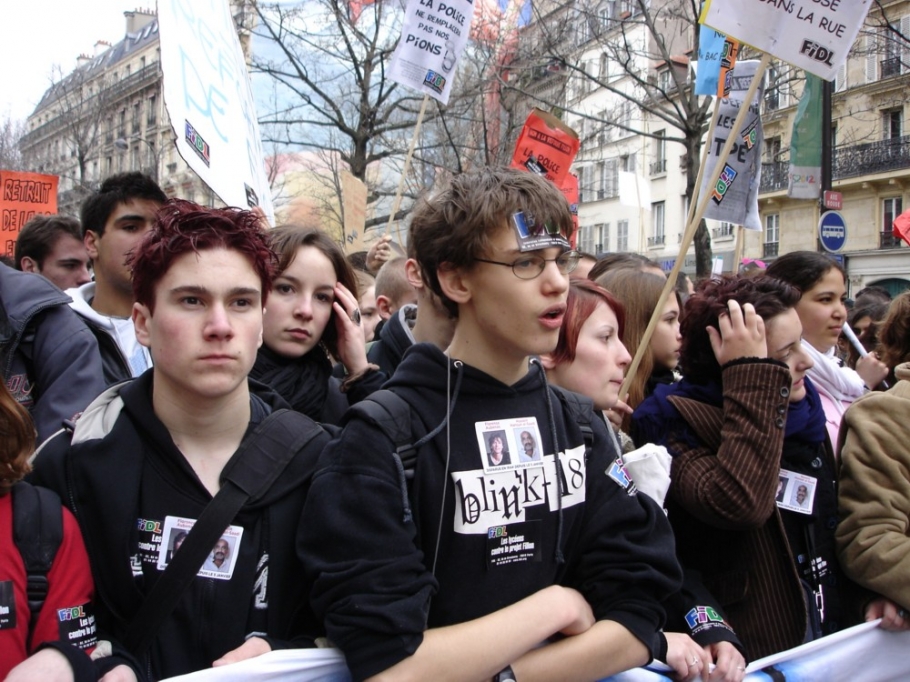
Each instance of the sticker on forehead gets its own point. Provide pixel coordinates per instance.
(507, 444)
(533, 236)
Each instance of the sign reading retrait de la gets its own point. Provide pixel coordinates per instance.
(814, 35)
(209, 100)
(433, 37)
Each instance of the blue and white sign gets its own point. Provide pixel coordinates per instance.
(210, 103)
(832, 231)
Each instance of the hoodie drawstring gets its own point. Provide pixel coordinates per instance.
(558, 555)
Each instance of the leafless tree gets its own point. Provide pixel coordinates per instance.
(11, 132)
(637, 40)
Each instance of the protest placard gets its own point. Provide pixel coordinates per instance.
(354, 204)
(22, 197)
(815, 35)
(716, 58)
(805, 175)
(209, 101)
(433, 36)
(569, 189)
(734, 196)
(546, 146)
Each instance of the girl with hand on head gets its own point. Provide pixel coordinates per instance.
(821, 282)
(312, 314)
(744, 418)
(590, 359)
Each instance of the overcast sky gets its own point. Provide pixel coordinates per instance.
(36, 35)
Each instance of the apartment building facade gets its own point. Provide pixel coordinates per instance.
(108, 116)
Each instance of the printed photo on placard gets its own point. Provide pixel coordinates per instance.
(220, 562)
(798, 493)
(501, 445)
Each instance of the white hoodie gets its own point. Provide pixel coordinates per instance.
(120, 328)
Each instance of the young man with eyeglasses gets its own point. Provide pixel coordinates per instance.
(453, 567)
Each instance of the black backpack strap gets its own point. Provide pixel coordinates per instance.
(260, 460)
(38, 533)
(581, 411)
(392, 415)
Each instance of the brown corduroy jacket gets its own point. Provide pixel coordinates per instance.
(722, 505)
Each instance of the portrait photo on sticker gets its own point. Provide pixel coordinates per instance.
(528, 440)
(497, 446)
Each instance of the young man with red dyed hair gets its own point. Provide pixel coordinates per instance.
(148, 457)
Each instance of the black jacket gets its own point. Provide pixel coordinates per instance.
(394, 339)
(123, 477)
(371, 563)
(50, 360)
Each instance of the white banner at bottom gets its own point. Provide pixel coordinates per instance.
(864, 652)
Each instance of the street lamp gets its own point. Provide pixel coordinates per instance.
(123, 145)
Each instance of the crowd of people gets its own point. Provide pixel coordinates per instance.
(248, 441)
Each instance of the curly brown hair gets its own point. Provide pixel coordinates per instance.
(769, 296)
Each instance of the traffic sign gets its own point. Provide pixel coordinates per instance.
(832, 231)
(834, 200)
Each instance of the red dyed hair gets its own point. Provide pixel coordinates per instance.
(584, 297)
(183, 227)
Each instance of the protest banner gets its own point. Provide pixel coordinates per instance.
(716, 58)
(695, 218)
(569, 189)
(22, 197)
(433, 36)
(546, 146)
(734, 196)
(815, 35)
(283, 665)
(354, 206)
(209, 101)
(804, 181)
(864, 652)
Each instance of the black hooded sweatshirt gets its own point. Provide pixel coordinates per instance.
(123, 476)
(369, 548)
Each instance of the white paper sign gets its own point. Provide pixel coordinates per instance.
(815, 35)
(433, 37)
(209, 101)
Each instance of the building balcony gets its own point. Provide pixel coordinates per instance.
(850, 161)
(770, 249)
(872, 157)
(774, 176)
(723, 232)
(890, 67)
(659, 240)
(889, 240)
(658, 167)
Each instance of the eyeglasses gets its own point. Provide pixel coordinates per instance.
(529, 267)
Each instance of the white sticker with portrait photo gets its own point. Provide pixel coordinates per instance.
(796, 492)
(219, 564)
(507, 444)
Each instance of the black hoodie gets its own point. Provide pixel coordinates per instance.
(371, 563)
(122, 476)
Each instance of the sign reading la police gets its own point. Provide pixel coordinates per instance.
(832, 231)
